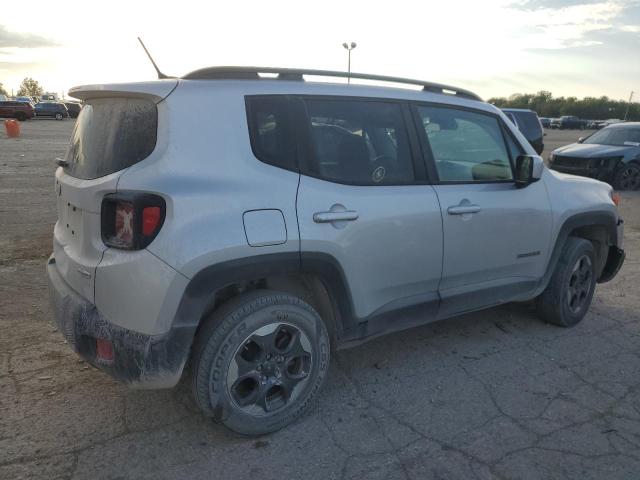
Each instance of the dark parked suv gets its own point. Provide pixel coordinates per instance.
(569, 122)
(529, 124)
(73, 108)
(51, 109)
(14, 109)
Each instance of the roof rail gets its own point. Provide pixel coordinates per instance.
(253, 73)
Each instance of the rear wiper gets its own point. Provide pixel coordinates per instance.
(61, 162)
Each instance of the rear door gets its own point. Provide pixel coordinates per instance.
(496, 236)
(110, 135)
(363, 200)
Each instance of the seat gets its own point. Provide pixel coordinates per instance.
(353, 160)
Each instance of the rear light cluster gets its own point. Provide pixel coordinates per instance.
(131, 221)
(615, 196)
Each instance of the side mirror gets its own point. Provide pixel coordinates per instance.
(581, 139)
(528, 170)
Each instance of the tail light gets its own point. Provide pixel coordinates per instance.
(615, 196)
(131, 221)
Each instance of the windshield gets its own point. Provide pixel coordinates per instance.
(619, 137)
(111, 134)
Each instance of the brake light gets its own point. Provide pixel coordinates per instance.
(131, 221)
(150, 220)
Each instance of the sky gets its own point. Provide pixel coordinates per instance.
(492, 47)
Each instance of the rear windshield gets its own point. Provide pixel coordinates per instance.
(111, 134)
(528, 121)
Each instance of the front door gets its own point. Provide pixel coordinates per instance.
(496, 236)
(363, 201)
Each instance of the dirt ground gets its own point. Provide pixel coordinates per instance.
(495, 394)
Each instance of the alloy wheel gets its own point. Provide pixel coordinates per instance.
(579, 284)
(269, 369)
(630, 178)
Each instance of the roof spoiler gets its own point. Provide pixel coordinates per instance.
(154, 91)
(253, 73)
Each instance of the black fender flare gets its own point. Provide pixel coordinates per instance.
(604, 218)
(203, 286)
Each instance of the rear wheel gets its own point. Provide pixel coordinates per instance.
(568, 296)
(627, 177)
(259, 361)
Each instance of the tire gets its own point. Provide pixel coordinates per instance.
(283, 347)
(21, 116)
(627, 177)
(568, 295)
(59, 116)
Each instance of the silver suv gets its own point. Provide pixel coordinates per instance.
(237, 226)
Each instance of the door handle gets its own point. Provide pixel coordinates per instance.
(462, 209)
(327, 217)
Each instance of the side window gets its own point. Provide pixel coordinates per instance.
(269, 129)
(359, 142)
(466, 146)
(515, 149)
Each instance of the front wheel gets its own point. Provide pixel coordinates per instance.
(59, 116)
(627, 177)
(21, 116)
(568, 295)
(259, 361)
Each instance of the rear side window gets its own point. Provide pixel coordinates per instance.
(111, 134)
(359, 142)
(272, 140)
(466, 146)
(528, 122)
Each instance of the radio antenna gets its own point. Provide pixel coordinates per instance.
(160, 74)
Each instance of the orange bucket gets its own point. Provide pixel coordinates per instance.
(13, 128)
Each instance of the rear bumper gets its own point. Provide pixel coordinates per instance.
(144, 361)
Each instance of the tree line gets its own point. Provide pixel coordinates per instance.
(592, 108)
(28, 88)
(543, 102)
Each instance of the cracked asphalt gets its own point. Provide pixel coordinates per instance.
(495, 394)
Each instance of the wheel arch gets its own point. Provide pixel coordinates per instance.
(315, 277)
(599, 227)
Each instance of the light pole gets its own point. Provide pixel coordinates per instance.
(628, 105)
(349, 47)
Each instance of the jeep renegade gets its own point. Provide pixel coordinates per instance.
(236, 223)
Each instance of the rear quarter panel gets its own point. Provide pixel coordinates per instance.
(209, 178)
